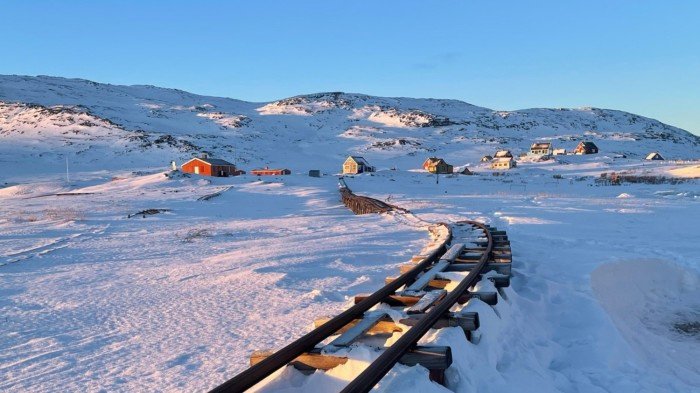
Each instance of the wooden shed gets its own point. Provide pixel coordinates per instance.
(206, 166)
(437, 165)
(270, 172)
(654, 156)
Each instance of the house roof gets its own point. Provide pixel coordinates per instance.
(541, 145)
(269, 169)
(360, 160)
(211, 161)
(503, 153)
(435, 160)
(653, 154)
(588, 145)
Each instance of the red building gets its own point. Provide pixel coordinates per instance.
(210, 167)
(270, 172)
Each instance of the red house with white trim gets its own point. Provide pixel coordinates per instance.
(206, 166)
(270, 172)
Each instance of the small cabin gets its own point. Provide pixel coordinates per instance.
(503, 163)
(356, 164)
(585, 147)
(541, 149)
(437, 165)
(654, 156)
(206, 166)
(559, 152)
(503, 154)
(486, 158)
(466, 171)
(270, 172)
(314, 172)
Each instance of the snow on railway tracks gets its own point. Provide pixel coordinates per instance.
(465, 260)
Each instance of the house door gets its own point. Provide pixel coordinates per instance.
(196, 170)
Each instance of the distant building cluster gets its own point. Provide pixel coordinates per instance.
(353, 165)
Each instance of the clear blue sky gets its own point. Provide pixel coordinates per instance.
(638, 56)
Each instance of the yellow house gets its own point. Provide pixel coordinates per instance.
(356, 164)
(503, 163)
(437, 165)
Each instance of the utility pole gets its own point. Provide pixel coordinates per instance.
(67, 173)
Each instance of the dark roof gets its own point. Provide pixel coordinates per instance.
(434, 160)
(360, 160)
(589, 145)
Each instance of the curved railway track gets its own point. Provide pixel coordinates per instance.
(365, 205)
(424, 292)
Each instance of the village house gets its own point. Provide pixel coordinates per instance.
(559, 152)
(586, 148)
(503, 163)
(206, 166)
(541, 149)
(356, 164)
(437, 165)
(270, 172)
(503, 154)
(486, 158)
(654, 156)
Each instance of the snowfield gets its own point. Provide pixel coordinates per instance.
(177, 301)
(132, 278)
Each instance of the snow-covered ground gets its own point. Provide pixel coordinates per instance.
(95, 296)
(605, 278)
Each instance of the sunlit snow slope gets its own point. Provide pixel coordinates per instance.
(102, 126)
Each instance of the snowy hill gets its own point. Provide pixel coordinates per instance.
(102, 126)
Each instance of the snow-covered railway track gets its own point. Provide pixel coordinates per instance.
(465, 260)
(365, 205)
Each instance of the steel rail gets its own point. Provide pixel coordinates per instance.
(251, 376)
(379, 367)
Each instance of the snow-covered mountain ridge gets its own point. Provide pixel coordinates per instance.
(43, 118)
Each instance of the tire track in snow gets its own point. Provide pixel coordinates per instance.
(51, 246)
